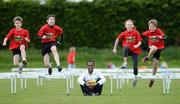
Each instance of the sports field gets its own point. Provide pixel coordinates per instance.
(54, 91)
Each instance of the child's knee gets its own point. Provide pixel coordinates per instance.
(53, 49)
(155, 61)
(22, 47)
(153, 48)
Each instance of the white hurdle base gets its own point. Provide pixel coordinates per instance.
(120, 77)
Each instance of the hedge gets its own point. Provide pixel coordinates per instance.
(93, 24)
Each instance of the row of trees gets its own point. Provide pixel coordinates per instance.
(92, 24)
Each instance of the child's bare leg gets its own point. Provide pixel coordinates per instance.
(46, 61)
(16, 60)
(17, 63)
(125, 59)
(56, 57)
(124, 65)
(155, 65)
(23, 54)
(55, 54)
(152, 50)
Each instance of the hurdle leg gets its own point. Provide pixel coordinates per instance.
(127, 81)
(165, 85)
(12, 85)
(67, 85)
(41, 81)
(25, 83)
(117, 83)
(37, 82)
(121, 83)
(164, 89)
(21, 83)
(15, 86)
(72, 82)
(111, 86)
(168, 84)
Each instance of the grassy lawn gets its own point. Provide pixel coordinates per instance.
(54, 91)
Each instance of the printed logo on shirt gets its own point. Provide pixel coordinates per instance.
(154, 38)
(49, 35)
(130, 39)
(17, 38)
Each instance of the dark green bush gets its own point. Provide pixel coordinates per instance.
(93, 24)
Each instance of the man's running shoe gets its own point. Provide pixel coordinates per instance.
(145, 59)
(49, 71)
(124, 65)
(151, 83)
(59, 68)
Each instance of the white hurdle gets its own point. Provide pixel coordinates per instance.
(33, 75)
(72, 73)
(140, 76)
(119, 75)
(166, 75)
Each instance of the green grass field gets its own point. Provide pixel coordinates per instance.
(54, 91)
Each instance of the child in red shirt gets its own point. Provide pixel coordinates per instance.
(156, 44)
(131, 41)
(71, 58)
(19, 38)
(48, 35)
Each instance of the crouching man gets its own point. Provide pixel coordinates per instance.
(91, 81)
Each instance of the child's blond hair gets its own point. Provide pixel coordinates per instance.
(72, 49)
(17, 18)
(154, 22)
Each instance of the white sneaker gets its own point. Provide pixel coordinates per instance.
(124, 65)
(20, 68)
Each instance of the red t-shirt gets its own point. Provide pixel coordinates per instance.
(17, 38)
(129, 39)
(153, 38)
(50, 32)
(71, 57)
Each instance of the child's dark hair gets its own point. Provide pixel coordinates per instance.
(17, 18)
(154, 22)
(50, 15)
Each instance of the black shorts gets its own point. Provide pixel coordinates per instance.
(16, 51)
(46, 48)
(157, 54)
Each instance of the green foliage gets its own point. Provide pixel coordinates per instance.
(92, 24)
